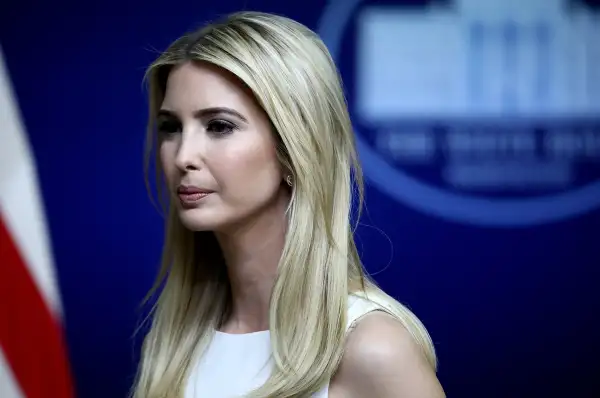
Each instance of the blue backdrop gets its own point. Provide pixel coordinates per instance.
(504, 276)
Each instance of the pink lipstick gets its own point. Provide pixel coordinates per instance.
(190, 195)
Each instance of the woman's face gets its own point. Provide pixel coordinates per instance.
(217, 149)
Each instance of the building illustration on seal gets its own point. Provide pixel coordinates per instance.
(483, 112)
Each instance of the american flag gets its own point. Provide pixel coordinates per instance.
(33, 354)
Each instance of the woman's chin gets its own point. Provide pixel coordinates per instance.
(197, 220)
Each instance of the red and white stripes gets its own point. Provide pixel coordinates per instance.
(33, 354)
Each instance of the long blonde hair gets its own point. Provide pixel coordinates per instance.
(294, 79)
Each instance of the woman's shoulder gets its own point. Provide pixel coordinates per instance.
(381, 358)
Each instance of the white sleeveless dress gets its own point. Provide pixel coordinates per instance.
(235, 364)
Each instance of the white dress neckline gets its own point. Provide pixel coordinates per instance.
(236, 363)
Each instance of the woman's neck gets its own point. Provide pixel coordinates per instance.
(252, 255)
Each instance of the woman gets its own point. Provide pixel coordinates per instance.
(263, 293)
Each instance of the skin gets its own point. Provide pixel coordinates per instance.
(214, 136)
(232, 154)
(383, 361)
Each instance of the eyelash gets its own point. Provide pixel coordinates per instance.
(217, 127)
(168, 127)
(228, 126)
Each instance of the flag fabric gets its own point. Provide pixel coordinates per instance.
(33, 354)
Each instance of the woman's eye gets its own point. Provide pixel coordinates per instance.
(220, 127)
(169, 126)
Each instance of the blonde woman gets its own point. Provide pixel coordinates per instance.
(262, 291)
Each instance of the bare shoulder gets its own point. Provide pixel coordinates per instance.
(383, 361)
